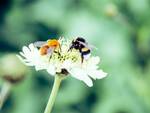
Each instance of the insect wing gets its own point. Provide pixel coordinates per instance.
(92, 47)
(50, 51)
(39, 43)
(88, 45)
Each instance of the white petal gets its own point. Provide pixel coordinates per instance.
(67, 64)
(51, 69)
(29, 64)
(22, 54)
(39, 67)
(97, 74)
(94, 60)
(81, 75)
(20, 58)
(31, 47)
(26, 50)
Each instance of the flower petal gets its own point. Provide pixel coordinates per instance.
(31, 47)
(67, 64)
(21, 59)
(94, 60)
(51, 69)
(81, 75)
(22, 54)
(97, 74)
(26, 50)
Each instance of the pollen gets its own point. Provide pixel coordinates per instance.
(73, 56)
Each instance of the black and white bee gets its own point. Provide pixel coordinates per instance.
(80, 44)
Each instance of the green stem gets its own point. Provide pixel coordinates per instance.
(53, 95)
(4, 93)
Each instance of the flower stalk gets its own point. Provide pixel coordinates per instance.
(53, 94)
(4, 93)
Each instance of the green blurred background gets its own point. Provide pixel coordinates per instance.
(120, 29)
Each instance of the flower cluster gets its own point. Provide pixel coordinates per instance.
(63, 62)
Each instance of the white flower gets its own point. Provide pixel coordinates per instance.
(63, 62)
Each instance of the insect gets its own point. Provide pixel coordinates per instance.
(47, 47)
(80, 44)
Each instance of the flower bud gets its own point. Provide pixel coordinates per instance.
(12, 69)
(111, 10)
